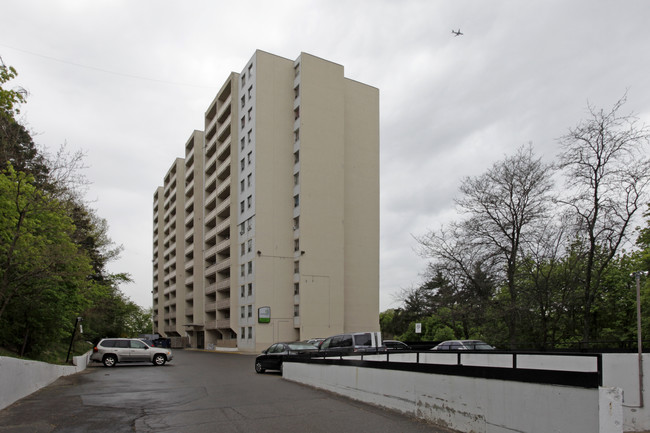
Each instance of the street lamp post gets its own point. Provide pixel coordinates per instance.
(637, 276)
(74, 331)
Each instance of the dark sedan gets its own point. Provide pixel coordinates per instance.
(273, 357)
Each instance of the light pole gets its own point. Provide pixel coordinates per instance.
(637, 276)
(74, 331)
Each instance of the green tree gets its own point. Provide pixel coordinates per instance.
(604, 159)
(41, 269)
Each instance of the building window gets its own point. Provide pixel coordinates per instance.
(243, 312)
(296, 135)
(250, 201)
(248, 180)
(243, 80)
(296, 157)
(250, 245)
(242, 164)
(249, 157)
(296, 288)
(241, 229)
(250, 70)
(243, 101)
(243, 143)
(250, 92)
(296, 244)
(296, 179)
(243, 270)
(243, 331)
(250, 133)
(250, 268)
(241, 207)
(243, 249)
(296, 113)
(250, 332)
(296, 200)
(243, 186)
(250, 289)
(296, 311)
(243, 122)
(296, 92)
(250, 114)
(296, 70)
(250, 311)
(296, 267)
(242, 291)
(296, 223)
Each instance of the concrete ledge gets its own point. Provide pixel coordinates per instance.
(20, 377)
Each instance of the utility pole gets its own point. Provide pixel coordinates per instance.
(637, 276)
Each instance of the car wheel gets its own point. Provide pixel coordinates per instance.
(258, 367)
(109, 361)
(159, 359)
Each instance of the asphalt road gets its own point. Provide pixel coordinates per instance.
(197, 392)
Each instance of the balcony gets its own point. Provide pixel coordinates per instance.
(223, 324)
(224, 149)
(223, 285)
(223, 191)
(223, 226)
(224, 108)
(211, 324)
(210, 306)
(223, 304)
(223, 210)
(222, 246)
(223, 265)
(210, 289)
(223, 171)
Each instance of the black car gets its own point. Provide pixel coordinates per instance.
(273, 357)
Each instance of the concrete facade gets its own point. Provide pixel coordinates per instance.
(277, 209)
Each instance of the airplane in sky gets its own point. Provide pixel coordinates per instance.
(456, 33)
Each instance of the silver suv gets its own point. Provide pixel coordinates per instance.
(110, 351)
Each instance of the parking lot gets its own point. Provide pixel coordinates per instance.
(197, 392)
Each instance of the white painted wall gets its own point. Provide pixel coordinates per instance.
(472, 404)
(20, 377)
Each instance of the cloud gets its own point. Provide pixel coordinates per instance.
(127, 82)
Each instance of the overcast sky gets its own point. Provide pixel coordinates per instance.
(128, 81)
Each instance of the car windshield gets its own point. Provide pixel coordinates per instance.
(301, 346)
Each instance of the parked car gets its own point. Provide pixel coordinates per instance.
(355, 342)
(396, 345)
(111, 351)
(273, 357)
(315, 341)
(463, 345)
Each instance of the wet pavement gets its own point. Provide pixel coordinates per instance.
(197, 392)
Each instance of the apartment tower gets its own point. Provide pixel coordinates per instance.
(268, 229)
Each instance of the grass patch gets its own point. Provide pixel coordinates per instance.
(55, 355)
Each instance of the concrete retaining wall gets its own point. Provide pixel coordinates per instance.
(20, 377)
(461, 403)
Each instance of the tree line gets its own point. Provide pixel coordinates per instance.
(542, 253)
(54, 248)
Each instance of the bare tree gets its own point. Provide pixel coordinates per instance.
(607, 174)
(503, 207)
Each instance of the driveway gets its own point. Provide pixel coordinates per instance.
(197, 392)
